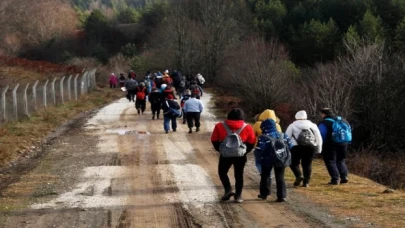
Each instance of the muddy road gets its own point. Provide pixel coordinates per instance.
(118, 169)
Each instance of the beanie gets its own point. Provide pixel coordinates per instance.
(163, 86)
(301, 115)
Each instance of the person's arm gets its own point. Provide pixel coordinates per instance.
(201, 106)
(323, 130)
(215, 140)
(288, 140)
(318, 138)
(289, 131)
(251, 138)
(185, 107)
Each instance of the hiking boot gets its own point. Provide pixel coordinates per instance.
(157, 116)
(280, 200)
(305, 185)
(197, 129)
(227, 196)
(153, 116)
(261, 197)
(298, 181)
(344, 181)
(190, 131)
(184, 122)
(139, 111)
(238, 199)
(167, 132)
(333, 183)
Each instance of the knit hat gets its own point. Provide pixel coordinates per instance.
(326, 111)
(301, 115)
(163, 86)
(166, 71)
(236, 114)
(188, 92)
(142, 84)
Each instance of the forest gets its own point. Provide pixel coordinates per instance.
(286, 55)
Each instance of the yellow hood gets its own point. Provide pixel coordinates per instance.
(268, 114)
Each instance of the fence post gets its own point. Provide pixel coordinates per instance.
(44, 93)
(26, 100)
(75, 86)
(61, 90)
(15, 104)
(53, 92)
(69, 88)
(82, 84)
(93, 78)
(3, 100)
(34, 95)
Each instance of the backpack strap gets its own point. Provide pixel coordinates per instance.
(330, 119)
(228, 130)
(241, 129)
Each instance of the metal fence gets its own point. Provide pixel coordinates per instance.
(21, 101)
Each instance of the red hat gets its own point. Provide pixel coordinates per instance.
(170, 97)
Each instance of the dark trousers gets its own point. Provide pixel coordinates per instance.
(184, 116)
(193, 117)
(302, 155)
(238, 166)
(265, 182)
(140, 104)
(131, 95)
(112, 85)
(334, 158)
(155, 109)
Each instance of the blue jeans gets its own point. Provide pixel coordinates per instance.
(166, 123)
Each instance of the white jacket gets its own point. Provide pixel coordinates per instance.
(294, 130)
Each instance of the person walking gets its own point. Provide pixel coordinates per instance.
(122, 80)
(130, 86)
(234, 124)
(155, 99)
(270, 145)
(200, 80)
(333, 153)
(196, 90)
(113, 80)
(307, 140)
(141, 93)
(171, 110)
(193, 108)
(184, 98)
(266, 114)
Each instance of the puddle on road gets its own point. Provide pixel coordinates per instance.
(127, 132)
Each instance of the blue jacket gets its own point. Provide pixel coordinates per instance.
(193, 105)
(262, 153)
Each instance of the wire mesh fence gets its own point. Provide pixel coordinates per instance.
(21, 101)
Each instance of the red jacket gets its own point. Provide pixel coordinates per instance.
(247, 135)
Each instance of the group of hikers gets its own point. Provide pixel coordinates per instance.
(161, 90)
(275, 150)
(234, 139)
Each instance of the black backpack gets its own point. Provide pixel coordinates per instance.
(280, 154)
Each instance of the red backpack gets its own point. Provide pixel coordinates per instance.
(140, 94)
(196, 91)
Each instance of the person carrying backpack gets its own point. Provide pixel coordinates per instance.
(193, 109)
(171, 111)
(233, 139)
(307, 141)
(155, 99)
(266, 114)
(122, 80)
(184, 98)
(196, 90)
(336, 135)
(130, 86)
(273, 148)
(141, 93)
(200, 79)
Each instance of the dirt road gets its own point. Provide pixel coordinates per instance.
(119, 169)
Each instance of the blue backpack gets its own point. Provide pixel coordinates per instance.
(341, 132)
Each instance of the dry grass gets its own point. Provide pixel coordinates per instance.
(361, 198)
(14, 74)
(17, 136)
